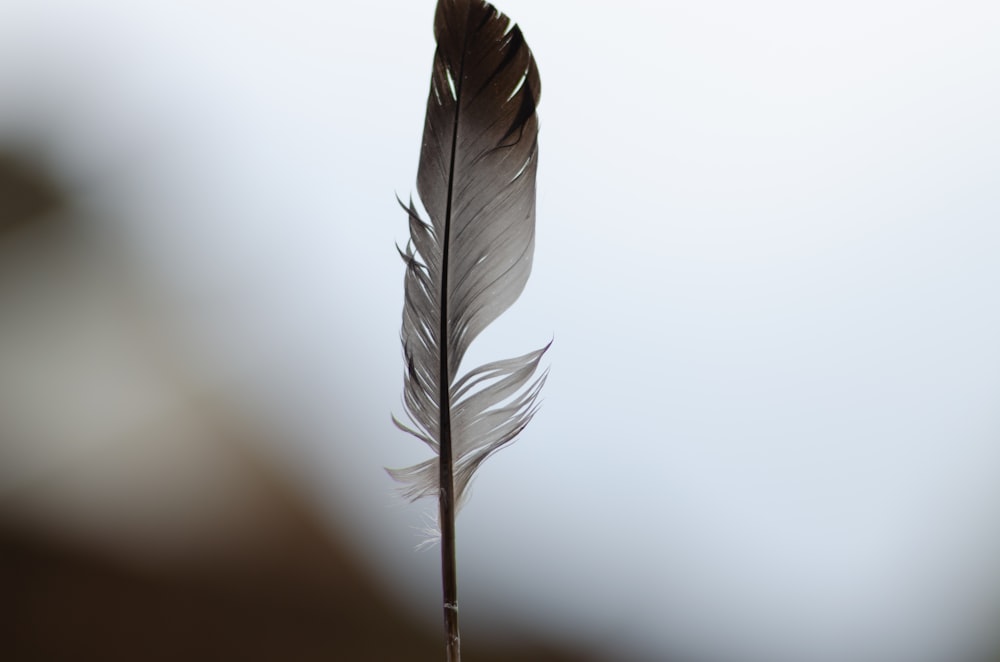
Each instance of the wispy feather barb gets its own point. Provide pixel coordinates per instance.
(470, 260)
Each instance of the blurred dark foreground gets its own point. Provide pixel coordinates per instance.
(303, 600)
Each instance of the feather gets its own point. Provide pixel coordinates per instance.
(469, 261)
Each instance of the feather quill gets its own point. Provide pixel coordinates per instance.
(470, 260)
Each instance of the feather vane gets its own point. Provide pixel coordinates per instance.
(469, 261)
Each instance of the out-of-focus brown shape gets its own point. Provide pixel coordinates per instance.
(252, 572)
(25, 192)
(297, 597)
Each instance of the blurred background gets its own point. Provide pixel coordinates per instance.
(767, 241)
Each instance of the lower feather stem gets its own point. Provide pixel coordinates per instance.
(448, 563)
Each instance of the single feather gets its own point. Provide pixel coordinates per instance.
(469, 261)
